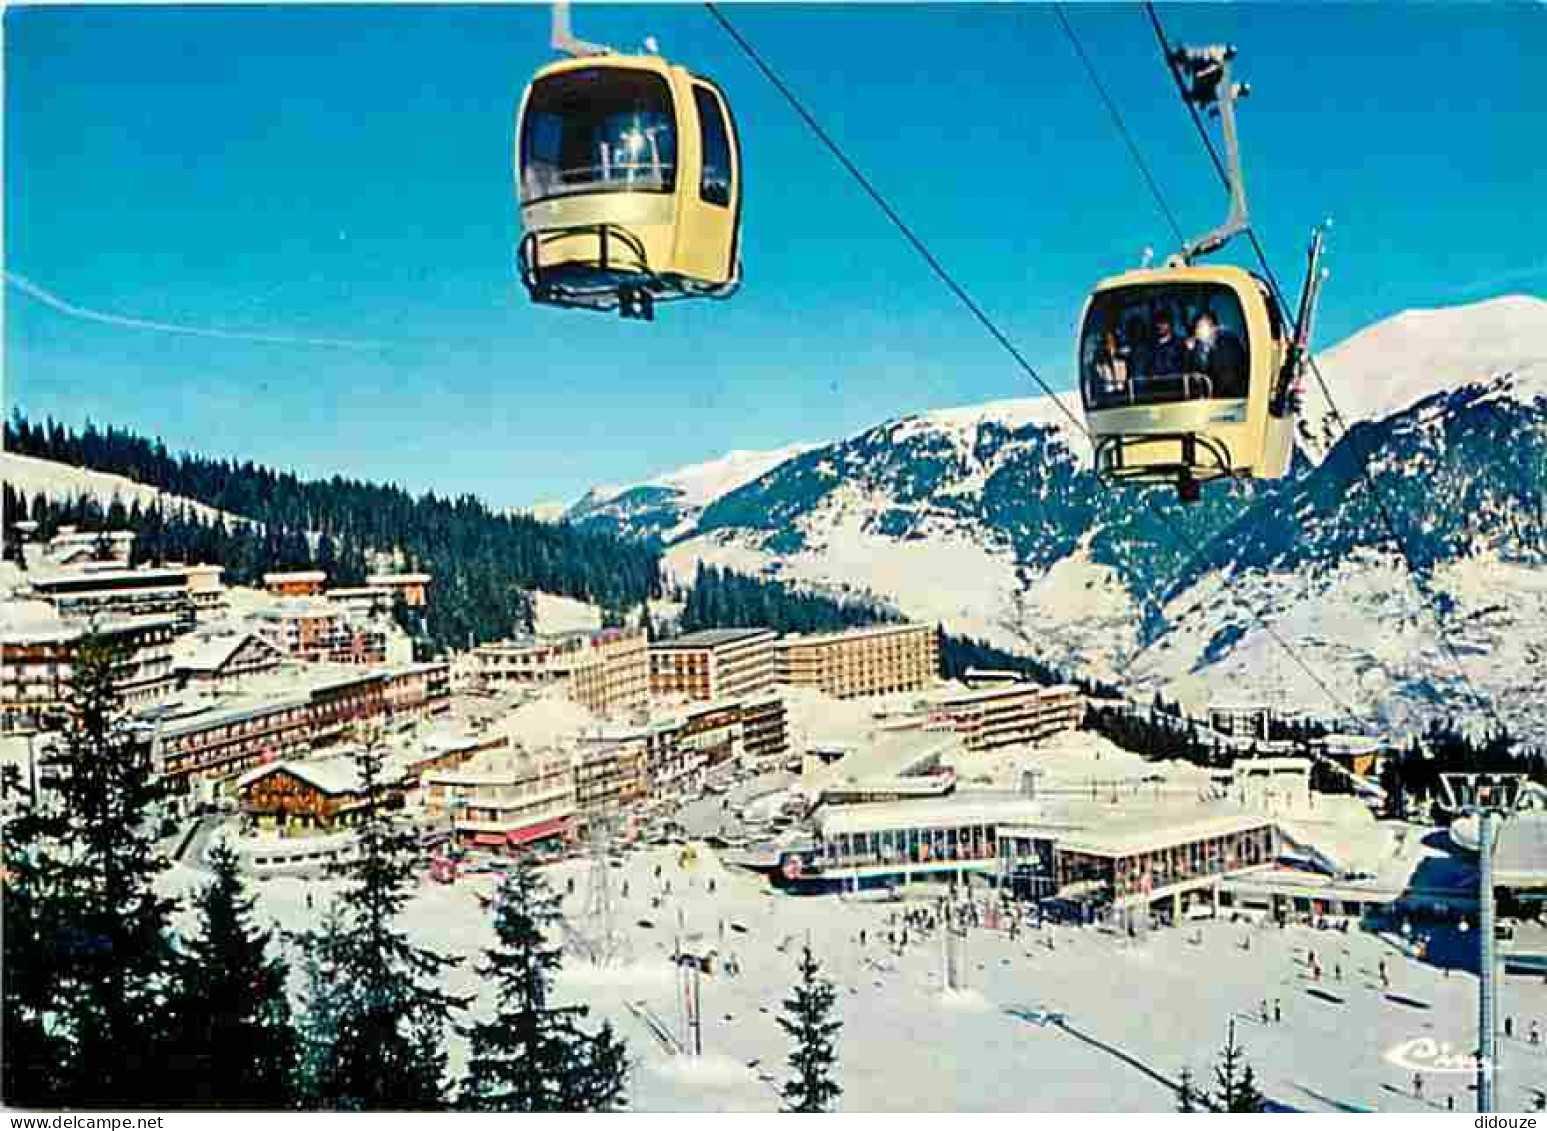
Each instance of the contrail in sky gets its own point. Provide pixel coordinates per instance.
(50, 299)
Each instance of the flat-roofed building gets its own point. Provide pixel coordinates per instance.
(363, 599)
(409, 588)
(287, 716)
(88, 593)
(206, 589)
(314, 629)
(604, 670)
(296, 582)
(71, 546)
(879, 660)
(37, 662)
(718, 663)
(1147, 855)
(1241, 720)
(1137, 861)
(765, 730)
(1009, 714)
(610, 776)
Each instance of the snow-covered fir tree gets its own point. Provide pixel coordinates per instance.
(236, 1048)
(388, 1051)
(89, 965)
(1188, 1099)
(809, 1020)
(323, 997)
(533, 1055)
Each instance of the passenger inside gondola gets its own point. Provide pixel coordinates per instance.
(1111, 367)
(1218, 353)
(1136, 346)
(1170, 355)
(1178, 342)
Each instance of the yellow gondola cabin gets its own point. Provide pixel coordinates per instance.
(1190, 373)
(1185, 376)
(629, 178)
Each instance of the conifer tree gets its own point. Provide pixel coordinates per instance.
(809, 1021)
(1188, 1098)
(87, 942)
(236, 1049)
(324, 1000)
(1235, 1085)
(388, 1051)
(533, 1055)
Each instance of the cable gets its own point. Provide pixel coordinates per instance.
(1122, 128)
(891, 214)
(1361, 457)
(961, 294)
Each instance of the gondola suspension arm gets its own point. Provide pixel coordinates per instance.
(563, 39)
(1203, 75)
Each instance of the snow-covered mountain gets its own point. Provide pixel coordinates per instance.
(667, 507)
(985, 518)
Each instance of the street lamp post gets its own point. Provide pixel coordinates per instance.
(1487, 995)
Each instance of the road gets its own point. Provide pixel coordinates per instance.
(704, 817)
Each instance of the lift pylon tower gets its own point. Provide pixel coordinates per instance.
(596, 936)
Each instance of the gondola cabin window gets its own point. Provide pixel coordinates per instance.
(598, 130)
(1162, 344)
(715, 185)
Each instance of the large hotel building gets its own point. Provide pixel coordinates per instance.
(37, 661)
(718, 663)
(1010, 714)
(863, 661)
(606, 671)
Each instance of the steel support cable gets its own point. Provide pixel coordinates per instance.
(967, 301)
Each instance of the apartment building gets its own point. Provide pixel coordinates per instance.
(315, 629)
(412, 589)
(720, 663)
(765, 732)
(606, 670)
(880, 660)
(1010, 714)
(71, 546)
(505, 799)
(609, 777)
(37, 660)
(1241, 720)
(91, 592)
(296, 583)
(288, 716)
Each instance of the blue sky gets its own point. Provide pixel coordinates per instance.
(337, 181)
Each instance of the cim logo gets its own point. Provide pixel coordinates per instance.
(1425, 1054)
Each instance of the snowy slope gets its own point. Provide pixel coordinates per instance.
(1397, 362)
(59, 481)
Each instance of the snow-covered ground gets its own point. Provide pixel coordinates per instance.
(1132, 1008)
(564, 614)
(1135, 1012)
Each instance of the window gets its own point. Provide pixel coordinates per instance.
(1164, 342)
(715, 185)
(603, 129)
